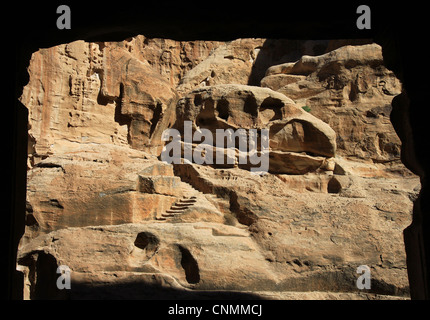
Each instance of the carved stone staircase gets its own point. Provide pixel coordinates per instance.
(178, 208)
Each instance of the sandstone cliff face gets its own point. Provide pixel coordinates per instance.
(351, 90)
(100, 200)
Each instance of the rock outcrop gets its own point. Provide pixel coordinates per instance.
(128, 225)
(291, 129)
(350, 89)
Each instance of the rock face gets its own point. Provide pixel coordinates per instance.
(128, 225)
(291, 129)
(349, 89)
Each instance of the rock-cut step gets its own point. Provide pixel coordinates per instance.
(179, 207)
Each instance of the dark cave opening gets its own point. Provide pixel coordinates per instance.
(190, 266)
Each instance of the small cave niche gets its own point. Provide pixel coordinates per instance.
(250, 106)
(190, 266)
(43, 277)
(198, 100)
(147, 241)
(222, 108)
(206, 117)
(334, 186)
(271, 107)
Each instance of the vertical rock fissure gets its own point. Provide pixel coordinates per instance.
(156, 118)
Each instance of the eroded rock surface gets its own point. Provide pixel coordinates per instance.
(128, 225)
(350, 89)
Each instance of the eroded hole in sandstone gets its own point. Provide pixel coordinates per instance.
(41, 277)
(251, 106)
(198, 100)
(334, 186)
(46, 277)
(222, 108)
(147, 241)
(271, 107)
(206, 117)
(191, 268)
(30, 220)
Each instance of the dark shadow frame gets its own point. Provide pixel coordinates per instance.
(397, 28)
